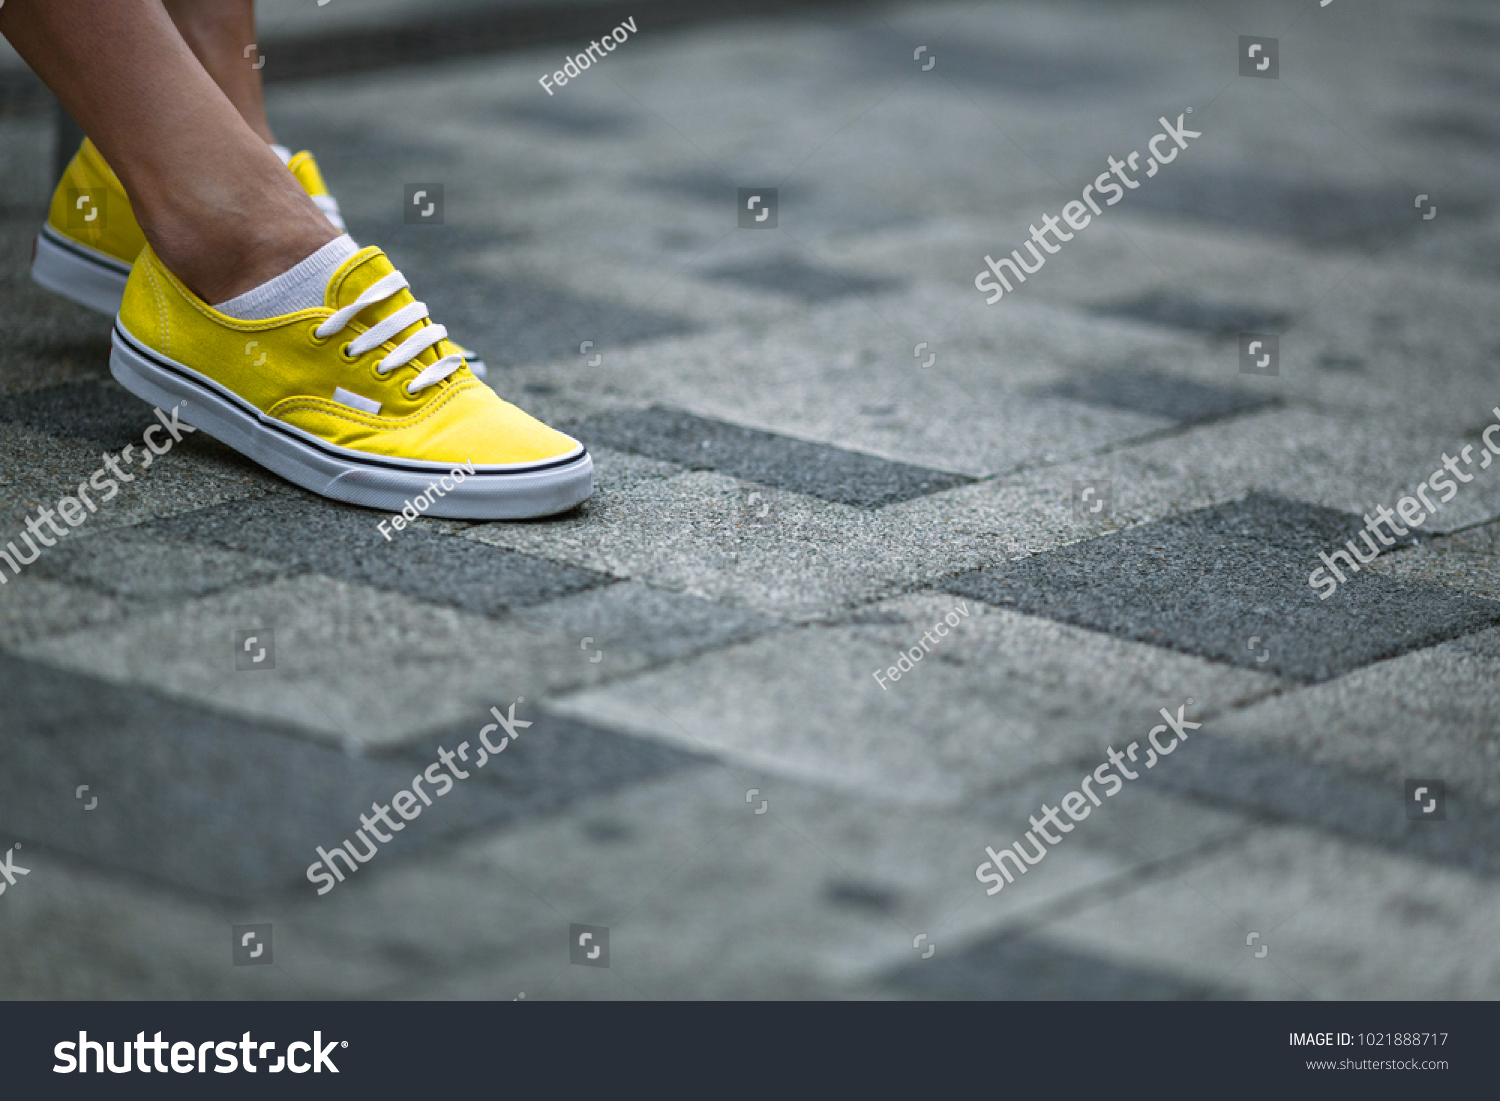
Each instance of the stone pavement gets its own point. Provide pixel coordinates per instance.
(791, 491)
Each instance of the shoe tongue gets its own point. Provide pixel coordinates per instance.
(305, 169)
(358, 274)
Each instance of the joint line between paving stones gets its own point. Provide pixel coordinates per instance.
(1127, 443)
(1033, 922)
(712, 755)
(844, 871)
(1316, 894)
(1120, 827)
(724, 175)
(1047, 172)
(864, 299)
(1291, 89)
(668, 281)
(614, 922)
(901, 83)
(733, 770)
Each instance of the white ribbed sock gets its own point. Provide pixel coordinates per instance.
(283, 152)
(303, 287)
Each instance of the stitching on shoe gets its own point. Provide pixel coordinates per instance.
(224, 321)
(349, 269)
(161, 306)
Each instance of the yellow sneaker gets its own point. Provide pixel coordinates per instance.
(91, 238)
(362, 399)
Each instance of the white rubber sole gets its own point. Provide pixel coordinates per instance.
(85, 275)
(491, 493)
(96, 280)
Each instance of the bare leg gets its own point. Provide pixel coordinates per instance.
(215, 202)
(218, 32)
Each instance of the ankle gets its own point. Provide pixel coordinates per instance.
(222, 258)
(217, 268)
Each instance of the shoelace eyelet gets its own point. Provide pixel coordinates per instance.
(344, 351)
(312, 334)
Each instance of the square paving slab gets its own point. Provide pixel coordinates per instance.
(814, 469)
(1221, 582)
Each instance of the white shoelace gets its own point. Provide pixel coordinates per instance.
(413, 346)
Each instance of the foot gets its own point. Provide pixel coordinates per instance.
(91, 238)
(363, 399)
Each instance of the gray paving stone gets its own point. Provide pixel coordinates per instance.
(1288, 206)
(1076, 69)
(1286, 453)
(361, 667)
(566, 119)
(801, 206)
(515, 318)
(213, 804)
(344, 542)
(817, 470)
(101, 413)
(1222, 320)
(187, 796)
(649, 626)
(1031, 969)
(702, 185)
(794, 277)
(1338, 921)
(837, 379)
(1239, 768)
(43, 468)
(1209, 582)
(1468, 562)
(779, 553)
(33, 608)
(79, 931)
(354, 666)
(126, 563)
(1004, 697)
(821, 896)
(556, 764)
(1177, 399)
(1428, 714)
(49, 341)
